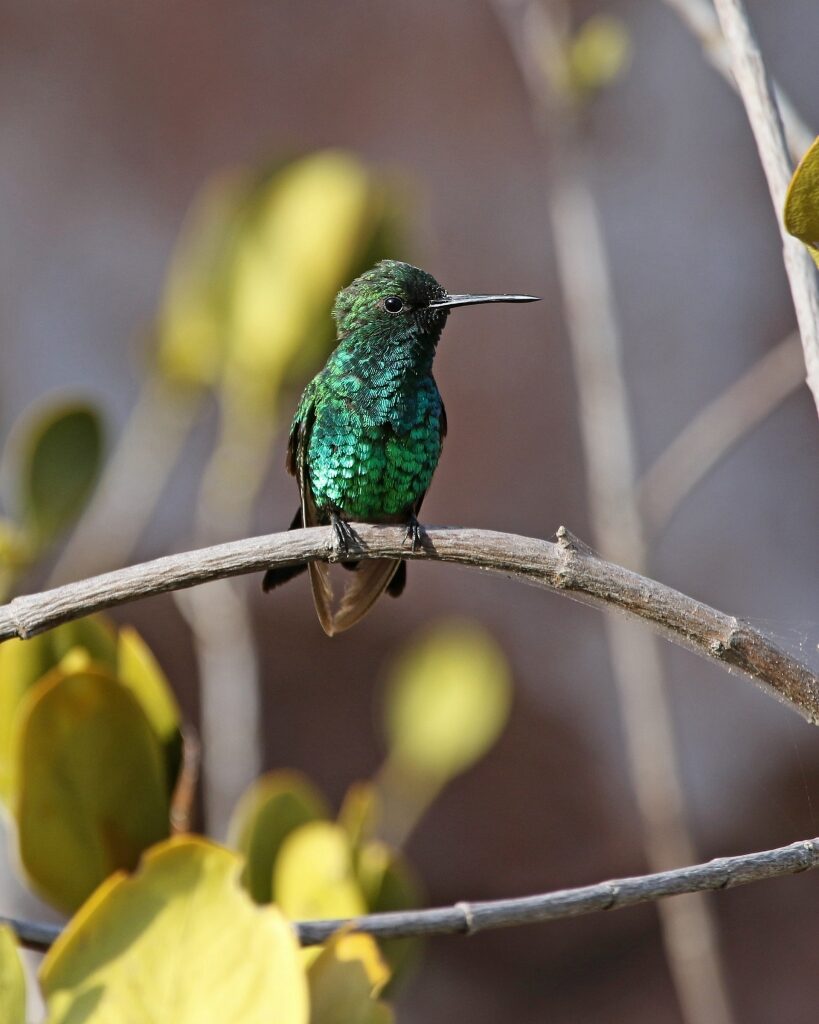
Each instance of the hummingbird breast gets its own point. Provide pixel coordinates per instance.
(373, 450)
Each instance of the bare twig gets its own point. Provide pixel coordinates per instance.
(717, 428)
(469, 918)
(566, 567)
(220, 616)
(699, 17)
(757, 95)
(540, 37)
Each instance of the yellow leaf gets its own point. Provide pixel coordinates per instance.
(801, 213)
(192, 323)
(448, 701)
(345, 981)
(89, 792)
(360, 812)
(178, 943)
(139, 670)
(314, 875)
(269, 810)
(24, 662)
(599, 53)
(303, 242)
(388, 884)
(12, 980)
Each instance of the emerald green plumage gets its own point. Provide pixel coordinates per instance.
(368, 431)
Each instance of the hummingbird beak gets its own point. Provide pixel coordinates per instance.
(473, 300)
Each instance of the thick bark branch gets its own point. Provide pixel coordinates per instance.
(567, 567)
(468, 918)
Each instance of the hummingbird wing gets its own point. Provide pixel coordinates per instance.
(297, 448)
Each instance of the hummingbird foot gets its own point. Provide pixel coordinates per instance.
(342, 532)
(414, 530)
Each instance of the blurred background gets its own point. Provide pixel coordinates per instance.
(129, 129)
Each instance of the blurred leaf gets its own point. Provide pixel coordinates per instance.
(61, 461)
(179, 942)
(314, 875)
(15, 554)
(269, 810)
(345, 981)
(388, 884)
(599, 53)
(12, 980)
(801, 214)
(88, 791)
(24, 662)
(139, 670)
(192, 328)
(94, 634)
(360, 812)
(448, 701)
(313, 222)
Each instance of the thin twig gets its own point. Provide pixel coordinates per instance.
(540, 37)
(756, 92)
(699, 17)
(469, 918)
(567, 567)
(717, 428)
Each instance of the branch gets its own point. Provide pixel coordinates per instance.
(717, 428)
(757, 96)
(567, 567)
(699, 17)
(469, 918)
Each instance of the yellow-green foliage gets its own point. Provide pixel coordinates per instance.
(89, 752)
(52, 462)
(249, 292)
(180, 940)
(12, 981)
(801, 214)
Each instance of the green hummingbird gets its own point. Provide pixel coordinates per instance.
(368, 430)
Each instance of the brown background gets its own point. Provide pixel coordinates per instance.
(111, 116)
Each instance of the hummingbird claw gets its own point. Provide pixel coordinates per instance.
(342, 531)
(414, 532)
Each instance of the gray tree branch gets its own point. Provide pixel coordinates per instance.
(757, 95)
(469, 918)
(567, 567)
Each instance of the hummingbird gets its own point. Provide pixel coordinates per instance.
(368, 431)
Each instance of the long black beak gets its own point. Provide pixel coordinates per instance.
(473, 300)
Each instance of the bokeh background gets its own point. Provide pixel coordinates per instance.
(113, 116)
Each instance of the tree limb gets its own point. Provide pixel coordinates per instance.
(757, 96)
(469, 918)
(566, 567)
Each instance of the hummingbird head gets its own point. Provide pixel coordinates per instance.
(396, 302)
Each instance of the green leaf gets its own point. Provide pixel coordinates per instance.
(345, 981)
(179, 942)
(801, 214)
(24, 662)
(269, 810)
(61, 462)
(447, 702)
(89, 791)
(314, 875)
(12, 980)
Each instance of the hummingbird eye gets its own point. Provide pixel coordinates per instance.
(393, 304)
